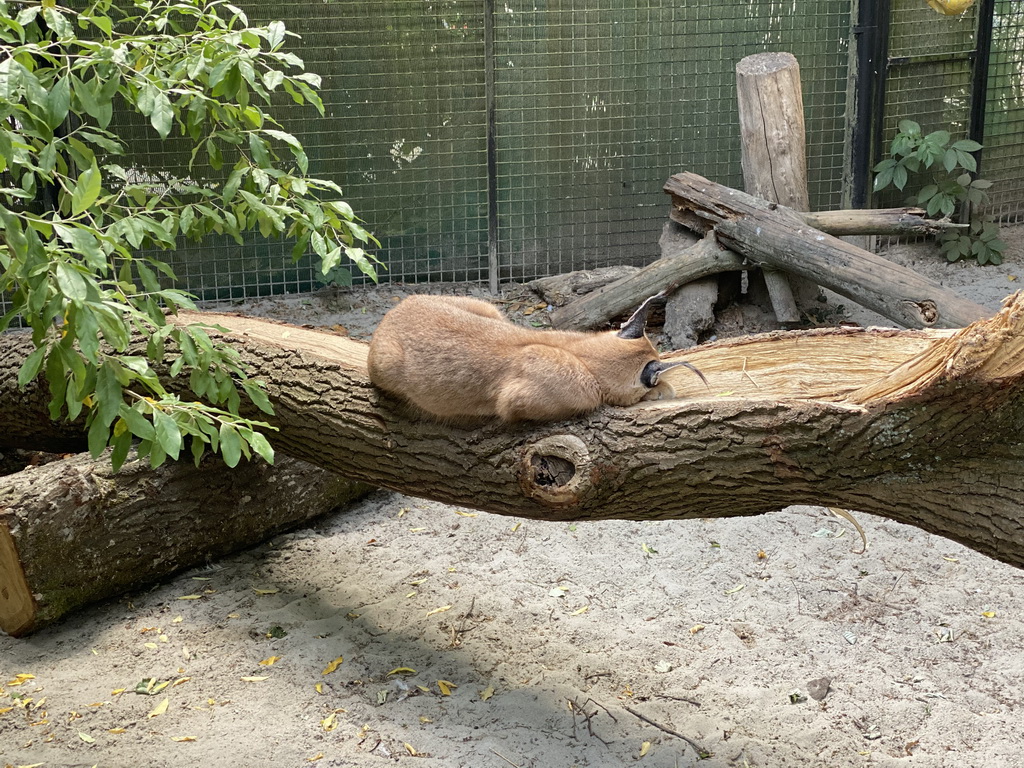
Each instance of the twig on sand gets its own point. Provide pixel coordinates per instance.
(701, 752)
(514, 765)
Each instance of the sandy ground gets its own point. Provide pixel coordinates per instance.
(405, 631)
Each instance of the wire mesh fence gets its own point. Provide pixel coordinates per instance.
(1003, 158)
(598, 103)
(595, 105)
(542, 132)
(932, 80)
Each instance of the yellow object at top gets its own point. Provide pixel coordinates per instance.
(950, 7)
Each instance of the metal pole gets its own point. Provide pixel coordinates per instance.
(871, 38)
(492, 149)
(979, 77)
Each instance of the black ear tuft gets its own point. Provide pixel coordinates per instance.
(634, 327)
(652, 372)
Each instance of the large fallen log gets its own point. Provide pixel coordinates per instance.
(923, 427)
(73, 532)
(775, 235)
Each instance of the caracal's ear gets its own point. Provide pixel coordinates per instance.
(653, 370)
(634, 327)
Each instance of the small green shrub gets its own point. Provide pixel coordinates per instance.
(912, 154)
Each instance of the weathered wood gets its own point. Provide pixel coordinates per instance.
(689, 311)
(772, 151)
(559, 290)
(597, 308)
(73, 532)
(923, 427)
(883, 221)
(627, 290)
(773, 234)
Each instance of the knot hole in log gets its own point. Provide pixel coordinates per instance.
(555, 470)
(925, 311)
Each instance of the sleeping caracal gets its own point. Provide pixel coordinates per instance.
(458, 358)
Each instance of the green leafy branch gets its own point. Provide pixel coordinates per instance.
(81, 232)
(911, 154)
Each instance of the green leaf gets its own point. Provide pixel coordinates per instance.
(56, 377)
(157, 455)
(899, 177)
(966, 161)
(58, 103)
(258, 396)
(87, 190)
(909, 127)
(122, 444)
(967, 145)
(198, 447)
(57, 22)
(260, 154)
(272, 78)
(99, 433)
(71, 282)
(86, 330)
(139, 425)
(33, 364)
(162, 115)
(108, 393)
(84, 242)
(230, 444)
(275, 34)
(884, 178)
(262, 447)
(168, 435)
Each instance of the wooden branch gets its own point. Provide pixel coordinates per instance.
(72, 532)
(922, 427)
(772, 152)
(772, 234)
(883, 221)
(559, 290)
(621, 297)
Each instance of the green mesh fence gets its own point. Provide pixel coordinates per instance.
(596, 104)
(1003, 158)
(931, 67)
(929, 76)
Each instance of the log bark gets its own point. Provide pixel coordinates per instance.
(72, 532)
(923, 427)
(773, 234)
(559, 290)
(772, 151)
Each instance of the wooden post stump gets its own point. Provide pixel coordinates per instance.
(773, 154)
